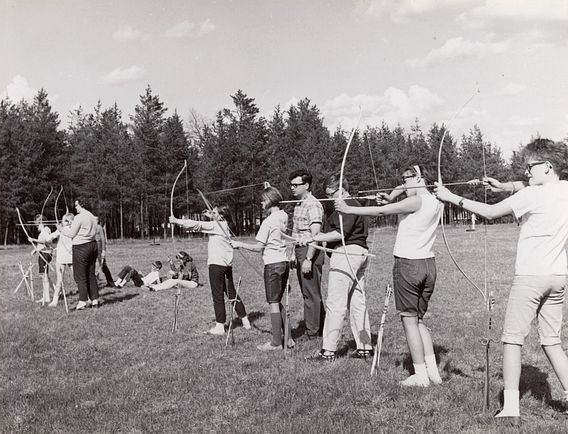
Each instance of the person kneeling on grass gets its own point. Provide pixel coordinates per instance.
(276, 266)
(414, 272)
(541, 266)
(129, 273)
(183, 273)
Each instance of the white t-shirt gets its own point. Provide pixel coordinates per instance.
(64, 251)
(541, 249)
(44, 240)
(219, 249)
(151, 277)
(270, 234)
(417, 231)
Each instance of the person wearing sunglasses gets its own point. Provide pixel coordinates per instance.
(414, 271)
(307, 222)
(541, 265)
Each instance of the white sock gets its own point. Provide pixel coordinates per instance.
(246, 322)
(510, 403)
(566, 395)
(117, 283)
(432, 368)
(420, 369)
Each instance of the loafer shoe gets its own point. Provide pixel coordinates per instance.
(361, 354)
(322, 356)
(268, 347)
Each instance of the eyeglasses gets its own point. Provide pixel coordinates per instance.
(332, 193)
(404, 178)
(296, 185)
(529, 166)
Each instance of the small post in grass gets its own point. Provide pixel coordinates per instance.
(26, 277)
(233, 304)
(287, 317)
(378, 347)
(176, 308)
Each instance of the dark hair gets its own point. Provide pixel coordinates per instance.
(83, 202)
(157, 264)
(556, 153)
(332, 181)
(305, 175)
(273, 196)
(184, 256)
(419, 170)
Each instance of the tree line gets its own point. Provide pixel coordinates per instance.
(125, 171)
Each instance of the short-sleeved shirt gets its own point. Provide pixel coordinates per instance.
(270, 234)
(541, 249)
(355, 228)
(219, 249)
(417, 231)
(306, 213)
(44, 240)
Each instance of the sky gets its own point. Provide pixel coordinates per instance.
(393, 61)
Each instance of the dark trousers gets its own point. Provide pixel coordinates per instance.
(84, 263)
(221, 281)
(128, 273)
(310, 285)
(104, 268)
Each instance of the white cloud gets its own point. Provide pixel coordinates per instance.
(19, 89)
(180, 30)
(119, 76)
(393, 107)
(186, 28)
(457, 48)
(523, 10)
(399, 10)
(206, 27)
(512, 89)
(128, 33)
(523, 121)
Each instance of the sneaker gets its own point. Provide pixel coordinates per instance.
(81, 305)
(435, 378)
(268, 347)
(415, 380)
(361, 354)
(246, 323)
(53, 304)
(322, 356)
(291, 343)
(218, 329)
(95, 303)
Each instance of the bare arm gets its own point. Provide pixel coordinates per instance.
(405, 206)
(482, 209)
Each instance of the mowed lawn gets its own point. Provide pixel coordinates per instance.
(120, 368)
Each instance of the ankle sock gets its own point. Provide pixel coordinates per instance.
(420, 369)
(510, 404)
(432, 368)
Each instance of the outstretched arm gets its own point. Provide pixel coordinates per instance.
(497, 186)
(405, 206)
(482, 209)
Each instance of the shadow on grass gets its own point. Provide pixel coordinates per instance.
(535, 382)
(111, 298)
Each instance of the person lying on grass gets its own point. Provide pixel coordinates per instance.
(220, 264)
(129, 273)
(414, 272)
(276, 265)
(182, 271)
(541, 266)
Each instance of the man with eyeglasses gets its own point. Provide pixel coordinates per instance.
(541, 266)
(307, 222)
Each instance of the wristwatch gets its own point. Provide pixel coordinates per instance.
(460, 203)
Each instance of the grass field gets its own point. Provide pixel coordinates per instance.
(120, 369)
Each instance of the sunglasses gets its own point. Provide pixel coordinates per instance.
(296, 185)
(529, 166)
(404, 178)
